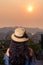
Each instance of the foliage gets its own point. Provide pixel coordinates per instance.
(36, 48)
(4, 44)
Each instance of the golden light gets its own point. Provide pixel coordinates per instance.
(30, 9)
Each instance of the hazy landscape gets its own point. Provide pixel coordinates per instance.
(33, 33)
(30, 30)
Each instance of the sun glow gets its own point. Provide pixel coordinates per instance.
(29, 8)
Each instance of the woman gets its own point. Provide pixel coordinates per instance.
(18, 52)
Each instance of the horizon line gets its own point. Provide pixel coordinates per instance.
(20, 26)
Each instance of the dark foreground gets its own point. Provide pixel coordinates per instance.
(39, 62)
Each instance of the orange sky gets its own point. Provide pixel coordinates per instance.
(14, 13)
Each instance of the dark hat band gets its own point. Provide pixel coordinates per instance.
(18, 36)
(24, 36)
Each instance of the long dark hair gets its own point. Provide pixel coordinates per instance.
(17, 52)
(19, 49)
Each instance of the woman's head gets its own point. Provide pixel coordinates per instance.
(19, 35)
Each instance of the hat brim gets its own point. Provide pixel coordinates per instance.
(18, 39)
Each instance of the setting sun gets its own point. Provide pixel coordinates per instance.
(30, 9)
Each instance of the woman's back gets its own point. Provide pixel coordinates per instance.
(17, 52)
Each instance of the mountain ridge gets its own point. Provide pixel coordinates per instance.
(30, 30)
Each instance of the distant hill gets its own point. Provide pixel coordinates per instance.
(6, 32)
(34, 30)
(30, 30)
(37, 37)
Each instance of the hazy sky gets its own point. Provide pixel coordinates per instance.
(14, 13)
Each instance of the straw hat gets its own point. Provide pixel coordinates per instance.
(18, 35)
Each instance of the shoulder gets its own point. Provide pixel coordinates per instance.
(31, 51)
(7, 52)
